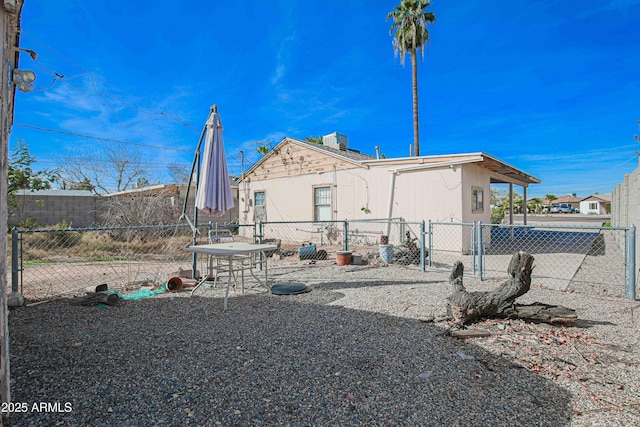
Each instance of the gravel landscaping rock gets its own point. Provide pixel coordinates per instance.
(365, 347)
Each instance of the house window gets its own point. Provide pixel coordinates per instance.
(259, 206)
(593, 206)
(322, 204)
(477, 199)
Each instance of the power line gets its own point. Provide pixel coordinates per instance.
(99, 138)
(103, 95)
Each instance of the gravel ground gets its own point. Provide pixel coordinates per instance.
(364, 347)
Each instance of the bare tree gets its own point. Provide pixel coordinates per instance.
(179, 174)
(114, 169)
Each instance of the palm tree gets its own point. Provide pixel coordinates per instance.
(409, 31)
(314, 139)
(551, 198)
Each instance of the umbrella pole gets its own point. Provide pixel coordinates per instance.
(194, 226)
(195, 166)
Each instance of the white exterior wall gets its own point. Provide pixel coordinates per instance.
(475, 176)
(439, 194)
(418, 195)
(600, 208)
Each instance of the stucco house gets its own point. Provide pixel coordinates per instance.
(304, 181)
(596, 204)
(570, 200)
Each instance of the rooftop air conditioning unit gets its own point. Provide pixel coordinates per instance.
(336, 141)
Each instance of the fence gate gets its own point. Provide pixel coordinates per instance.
(450, 242)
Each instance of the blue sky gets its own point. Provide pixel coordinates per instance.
(550, 87)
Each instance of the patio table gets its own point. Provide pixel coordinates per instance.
(231, 251)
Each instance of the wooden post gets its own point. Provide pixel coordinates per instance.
(9, 24)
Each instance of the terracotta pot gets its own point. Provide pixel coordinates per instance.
(344, 257)
(174, 284)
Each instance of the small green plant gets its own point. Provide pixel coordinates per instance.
(497, 214)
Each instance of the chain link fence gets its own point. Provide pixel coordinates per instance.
(587, 259)
(53, 261)
(450, 242)
(584, 259)
(596, 260)
(50, 262)
(390, 241)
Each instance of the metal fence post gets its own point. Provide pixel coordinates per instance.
(480, 250)
(474, 244)
(422, 232)
(632, 263)
(345, 235)
(261, 237)
(430, 244)
(14, 259)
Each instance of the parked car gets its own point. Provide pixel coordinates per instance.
(562, 209)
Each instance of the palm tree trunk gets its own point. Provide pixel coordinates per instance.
(414, 81)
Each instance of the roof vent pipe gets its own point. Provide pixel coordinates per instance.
(378, 152)
(410, 150)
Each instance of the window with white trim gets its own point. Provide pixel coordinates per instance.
(593, 206)
(477, 199)
(322, 204)
(258, 205)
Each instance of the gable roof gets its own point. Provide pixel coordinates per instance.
(598, 197)
(349, 156)
(500, 172)
(567, 199)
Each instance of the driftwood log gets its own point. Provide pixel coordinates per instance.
(465, 307)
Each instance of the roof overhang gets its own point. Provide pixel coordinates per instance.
(499, 171)
(503, 173)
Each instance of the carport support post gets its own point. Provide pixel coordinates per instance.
(480, 251)
(524, 209)
(632, 262)
(510, 203)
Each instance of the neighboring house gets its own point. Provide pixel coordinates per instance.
(596, 204)
(570, 200)
(51, 207)
(303, 181)
(175, 195)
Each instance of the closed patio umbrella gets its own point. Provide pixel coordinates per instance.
(213, 194)
(213, 189)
